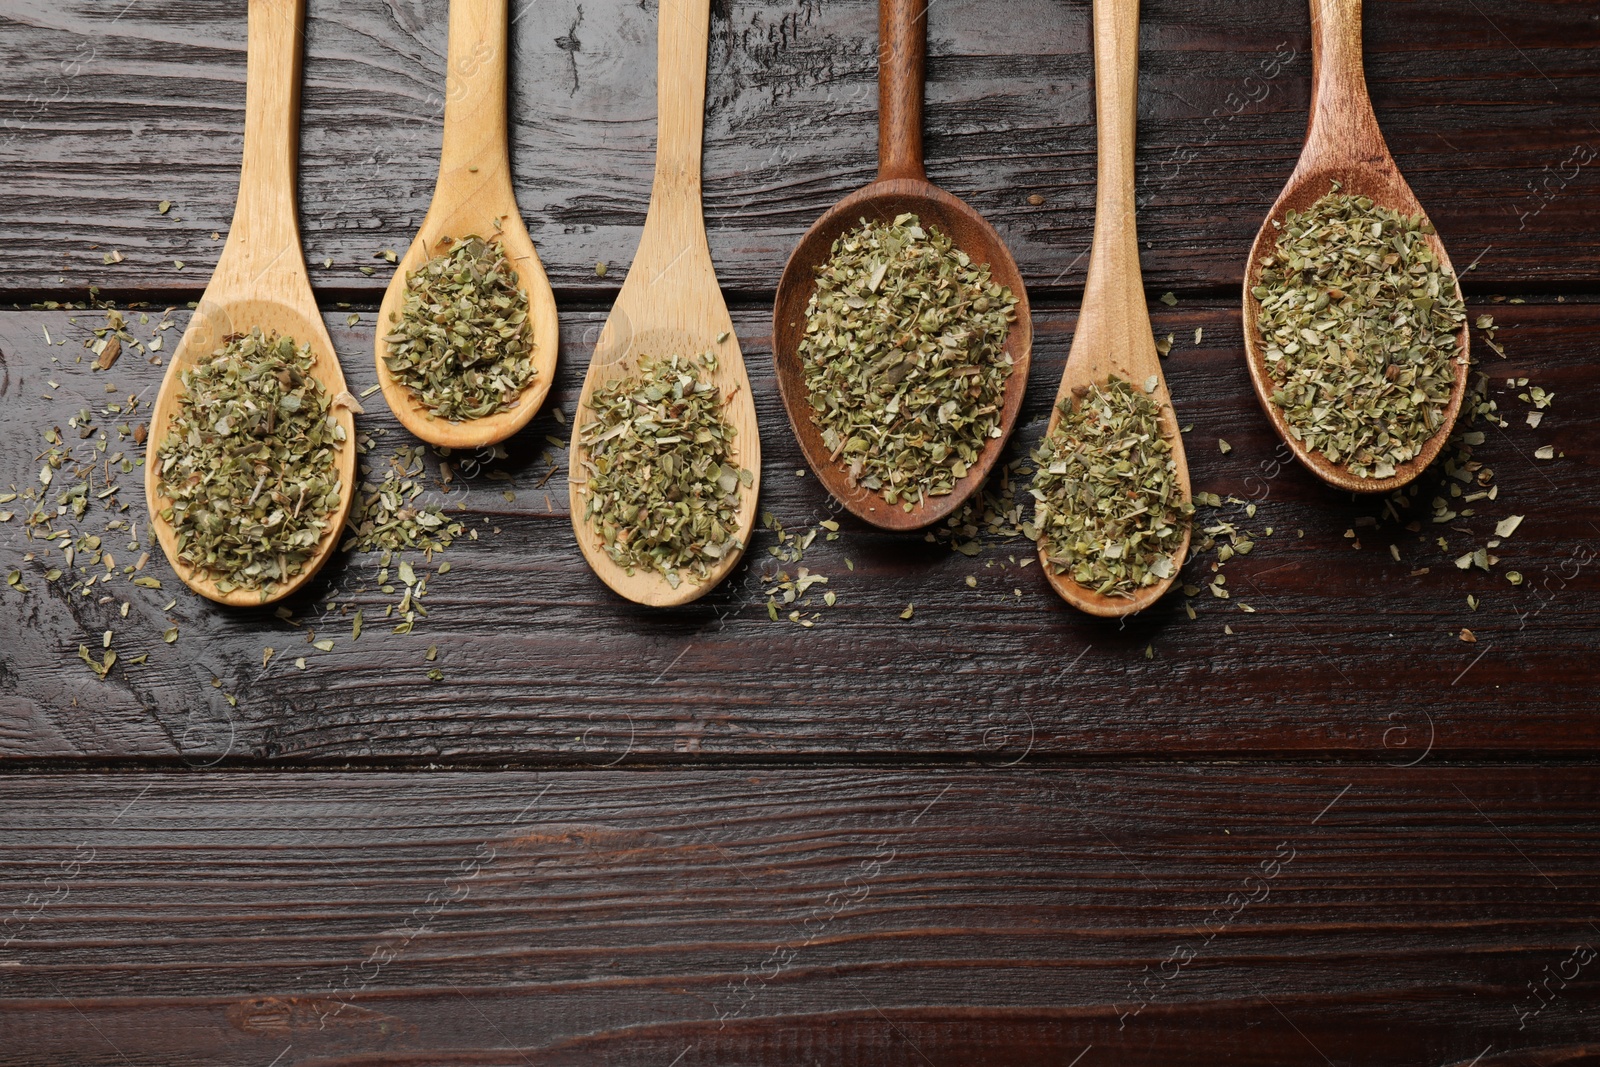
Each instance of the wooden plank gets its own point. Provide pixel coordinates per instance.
(1348, 651)
(107, 109)
(1269, 915)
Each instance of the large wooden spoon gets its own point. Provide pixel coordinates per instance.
(670, 303)
(1343, 144)
(901, 186)
(474, 196)
(260, 281)
(1113, 334)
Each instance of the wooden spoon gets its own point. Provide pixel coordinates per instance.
(901, 186)
(670, 302)
(260, 281)
(1113, 335)
(1343, 144)
(474, 196)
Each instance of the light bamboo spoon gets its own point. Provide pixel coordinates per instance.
(670, 303)
(1343, 144)
(260, 280)
(901, 186)
(1113, 335)
(474, 196)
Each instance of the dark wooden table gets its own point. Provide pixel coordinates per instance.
(1325, 830)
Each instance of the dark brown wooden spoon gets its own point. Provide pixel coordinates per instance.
(902, 186)
(1343, 144)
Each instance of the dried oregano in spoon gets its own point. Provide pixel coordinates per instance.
(1108, 508)
(1359, 327)
(662, 488)
(904, 358)
(249, 463)
(461, 340)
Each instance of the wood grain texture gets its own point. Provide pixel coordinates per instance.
(1346, 652)
(1074, 887)
(1484, 106)
(1268, 916)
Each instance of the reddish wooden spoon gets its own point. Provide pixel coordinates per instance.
(1343, 144)
(902, 186)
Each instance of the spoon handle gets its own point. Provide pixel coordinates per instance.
(475, 93)
(902, 62)
(265, 234)
(1114, 281)
(675, 222)
(1342, 124)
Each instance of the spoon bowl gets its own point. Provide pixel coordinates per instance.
(260, 281)
(1343, 144)
(901, 187)
(1113, 333)
(670, 304)
(474, 196)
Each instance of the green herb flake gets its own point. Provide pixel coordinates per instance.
(662, 491)
(1108, 507)
(904, 358)
(249, 464)
(461, 341)
(1359, 325)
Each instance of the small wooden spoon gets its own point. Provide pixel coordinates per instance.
(260, 280)
(901, 186)
(1113, 335)
(1343, 144)
(474, 196)
(670, 302)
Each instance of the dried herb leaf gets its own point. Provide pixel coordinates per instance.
(662, 491)
(1358, 324)
(1108, 508)
(904, 358)
(250, 463)
(461, 341)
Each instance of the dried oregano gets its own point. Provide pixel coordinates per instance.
(249, 462)
(662, 489)
(1359, 327)
(1108, 507)
(904, 358)
(461, 341)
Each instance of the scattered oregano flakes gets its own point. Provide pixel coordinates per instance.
(1108, 508)
(249, 463)
(1359, 327)
(662, 489)
(904, 358)
(461, 340)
